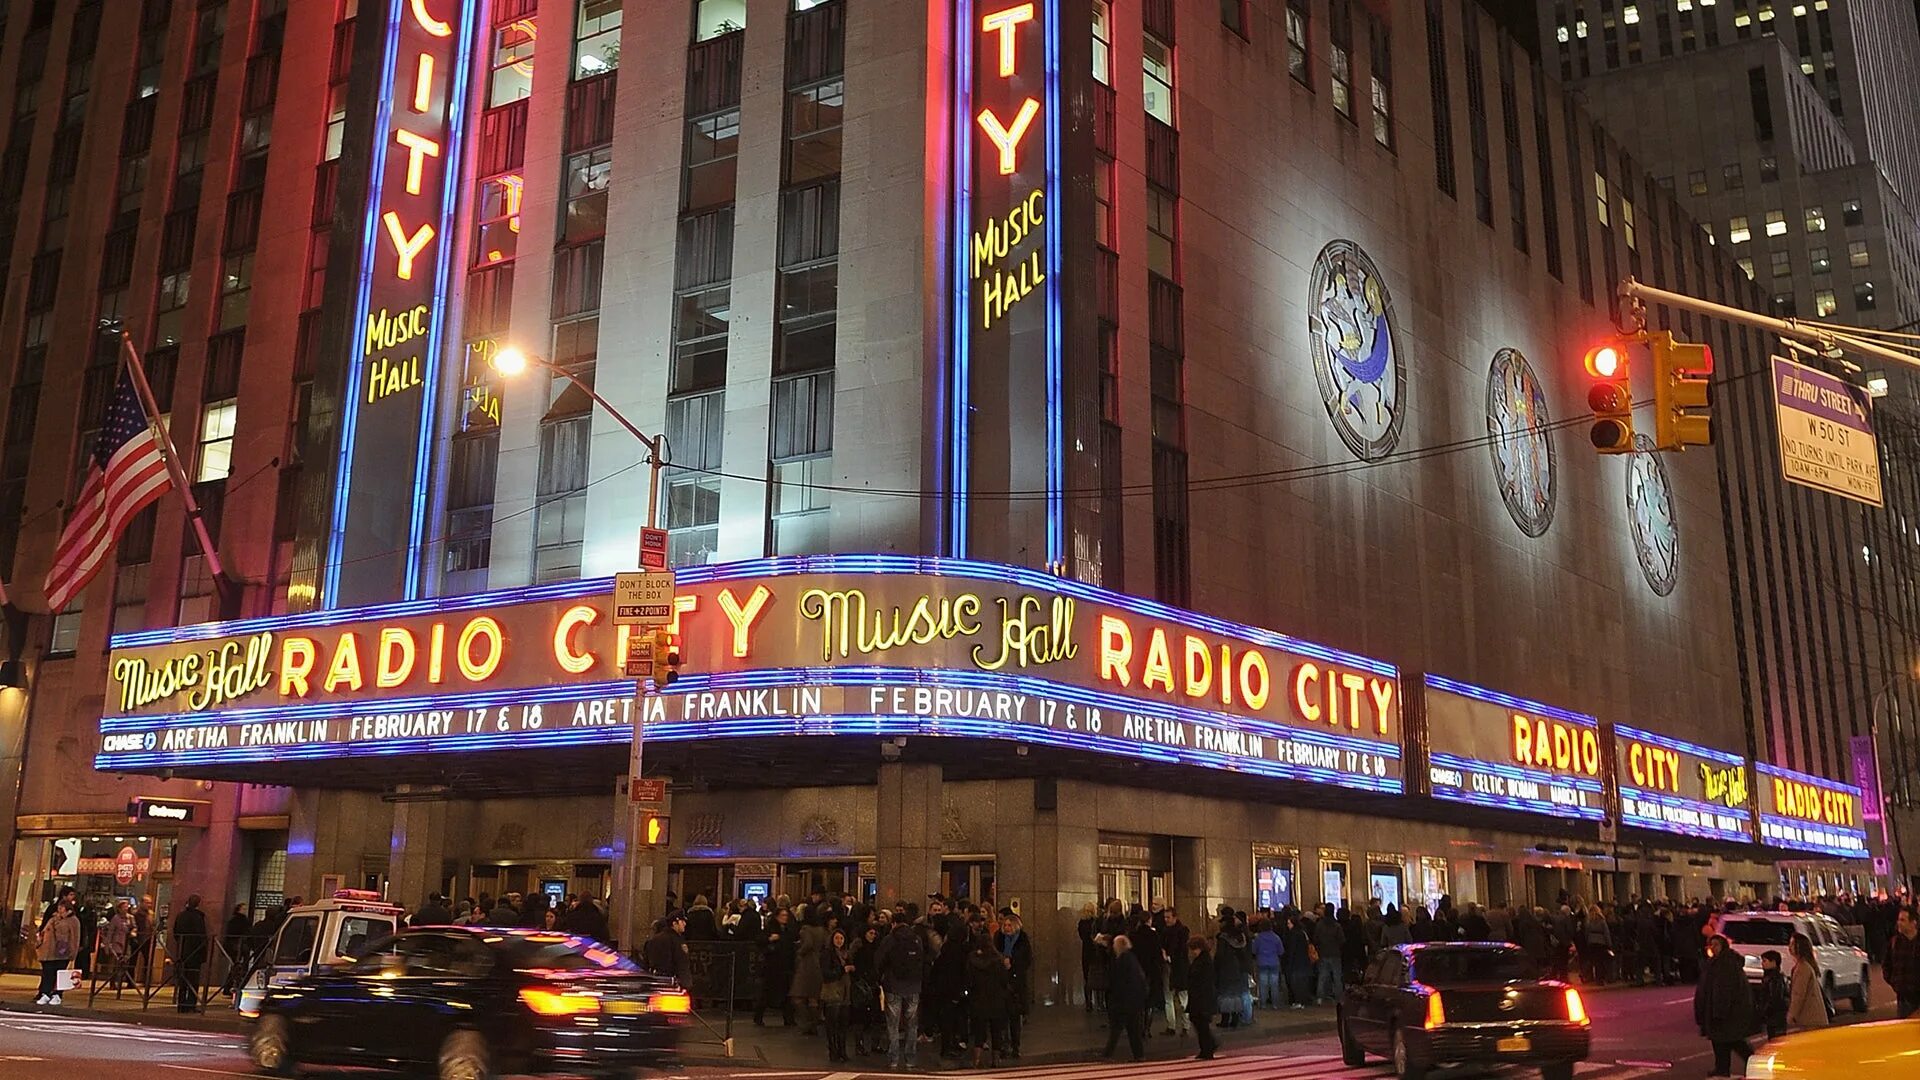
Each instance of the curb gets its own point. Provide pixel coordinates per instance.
(167, 1018)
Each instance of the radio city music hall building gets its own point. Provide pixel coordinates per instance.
(1117, 451)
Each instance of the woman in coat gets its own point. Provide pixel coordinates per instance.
(59, 948)
(863, 993)
(1723, 1005)
(1201, 995)
(835, 969)
(1806, 1003)
(776, 968)
(989, 999)
(1093, 958)
(805, 985)
(1230, 973)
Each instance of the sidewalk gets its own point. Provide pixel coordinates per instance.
(1051, 1036)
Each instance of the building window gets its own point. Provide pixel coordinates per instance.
(196, 592)
(1863, 296)
(809, 303)
(1697, 182)
(1103, 201)
(695, 429)
(1769, 169)
(1298, 18)
(1602, 206)
(1816, 219)
(1857, 256)
(336, 121)
(1817, 259)
(596, 38)
(801, 461)
(236, 290)
(214, 460)
(1737, 231)
(66, 630)
(130, 593)
(512, 63)
(1731, 177)
(1626, 226)
(588, 175)
(1782, 306)
(1477, 115)
(713, 158)
(1440, 90)
(813, 131)
(560, 515)
(170, 308)
(1380, 72)
(713, 18)
(703, 302)
(1233, 15)
(1103, 41)
(1163, 232)
(1851, 213)
(472, 466)
(1156, 58)
(1823, 303)
(1782, 263)
(1340, 56)
(1746, 267)
(1776, 223)
(498, 215)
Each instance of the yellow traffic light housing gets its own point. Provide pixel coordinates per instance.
(1680, 417)
(666, 659)
(1611, 397)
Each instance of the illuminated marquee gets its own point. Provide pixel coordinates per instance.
(1493, 749)
(1006, 242)
(813, 646)
(1680, 787)
(380, 510)
(1810, 813)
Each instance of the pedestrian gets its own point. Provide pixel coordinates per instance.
(777, 946)
(804, 988)
(1902, 964)
(1596, 947)
(836, 977)
(115, 941)
(1126, 999)
(1393, 927)
(1807, 996)
(1230, 973)
(59, 948)
(503, 912)
(233, 938)
(701, 925)
(989, 1000)
(901, 963)
(1296, 962)
(1723, 1005)
(1153, 962)
(434, 912)
(665, 953)
(1017, 950)
(1173, 938)
(1199, 995)
(863, 991)
(190, 952)
(1329, 944)
(1268, 948)
(1773, 995)
(1093, 958)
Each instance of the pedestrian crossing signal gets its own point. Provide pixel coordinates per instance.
(653, 830)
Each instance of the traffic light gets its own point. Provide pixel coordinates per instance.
(666, 659)
(1679, 389)
(1611, 397)
(653, 830)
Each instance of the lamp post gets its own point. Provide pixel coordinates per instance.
(1889, 829)
(510, 362)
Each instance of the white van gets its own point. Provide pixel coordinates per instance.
(315, 936)
(1848, 972)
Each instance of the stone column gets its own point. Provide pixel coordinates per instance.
(907, 832)
(416, 862)
(1049, 868)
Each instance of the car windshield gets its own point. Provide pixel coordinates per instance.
(564, 952)
(1757, 932)
(1446, 967)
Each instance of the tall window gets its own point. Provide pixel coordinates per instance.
(1233, 15)
(588, 175)
(472, 465)
(1340, 56)
(560, 512)
(1439, 79)
(1380, 76)
(813, 130)
(1298, 19)
(1163, 232)
(712, 18)
(703, 302)
(511, 65)
(801, 464)
(1510, 128)
(1156, 57)
(809, 281)
(1549, 204)
(713, 158)
(214, 459)
(1103, 41)
(1477, 114)
(695, 426)
(236, 291)
(596, 38)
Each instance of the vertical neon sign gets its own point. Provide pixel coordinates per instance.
(379, 524)
(1007, 315)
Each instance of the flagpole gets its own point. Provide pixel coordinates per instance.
(172, 458)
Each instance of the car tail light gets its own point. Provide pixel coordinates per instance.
(1436, 1012)
(546, 1001)
(1576, 1009)
(670, 1003)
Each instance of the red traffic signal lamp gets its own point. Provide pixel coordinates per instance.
(1680, 416)
(654, 830)
(1610, 396)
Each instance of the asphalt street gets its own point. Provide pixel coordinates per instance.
(1638, 1033)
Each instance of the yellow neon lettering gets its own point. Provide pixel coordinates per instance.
(419, 149)
(684, 604)
(480, 670)
(1382, 692)
(436, 649)
(1008, 139)
(296, 662)
(1159, 666)
(1256, 682)
(570, 659)
(406, 246)
(1005, 23)
(1116, 650)
(393, 663)
(427, 22)
(1305, 676)
(1199, 668)
(423, 84)
(742, 616)
(346, 664)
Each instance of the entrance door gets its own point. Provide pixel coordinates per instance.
(1131, 885)
(801, 880)
(693, 880)
(968, 879)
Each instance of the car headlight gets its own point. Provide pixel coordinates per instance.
(1752, 961)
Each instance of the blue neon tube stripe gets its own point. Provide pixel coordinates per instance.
(1514, 802)
(1668, 743)
(1785, 773)
(1705, 809)
(1056, 316)
(1495, 697)
(960, 401)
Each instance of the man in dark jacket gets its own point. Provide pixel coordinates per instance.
(434, 912)
(777, 945)
(900, 962)
(1723, 1005)
(503, 913)
(1199, 994)
(1017, 950)
(1173, 939)
(665, 953)
(1902, 963)
(1126, 1000)
(701, 924)
(190, 947)
(1329, 941)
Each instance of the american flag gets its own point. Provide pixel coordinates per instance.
(127, 473)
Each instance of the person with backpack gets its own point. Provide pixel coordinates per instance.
(901, 963)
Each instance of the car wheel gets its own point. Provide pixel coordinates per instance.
(1405, 1065)
(271, 1047)
(1559, 1070)
(1350, 1052)
(464, 1056)
(1859, 999)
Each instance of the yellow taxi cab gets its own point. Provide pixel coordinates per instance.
(1878, 1051)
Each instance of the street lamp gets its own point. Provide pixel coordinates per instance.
(510, 362)
(1889, 829)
